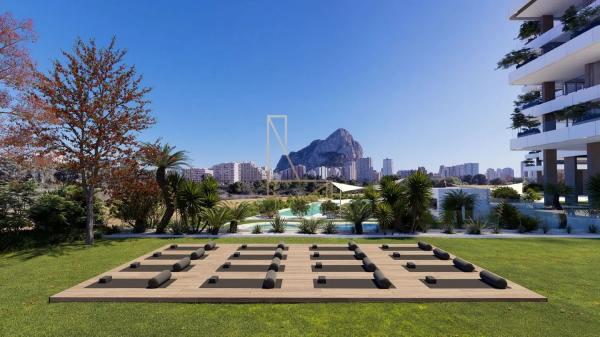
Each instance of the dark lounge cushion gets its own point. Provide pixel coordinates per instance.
(198, 253)
(316, 254)
(210, 245)
(411, 265)
(384, 246)
(236, 254)
(396, 254)
(227, 265)
(493, 279)
(213, 279)
(314, 246)
(159, 279)
(322, 279)
(278, 253)
(281, 245)
(181, 264)
(430, 280)
(463, 265)
(369, 265)
(105, 279)
(156, 254)
(244, 246)
(359, 253)
(319, 265)
(440, 254)
(424, 245)
(381, 281)
(134, 265)
(173, 246)
(352, 245)
(275, 263)
(270, 279)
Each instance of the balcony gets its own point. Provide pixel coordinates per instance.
(561, 102)
(573, 137)
(533, 9)
(560, 64)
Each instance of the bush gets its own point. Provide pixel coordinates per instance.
(179, 227)
(528, 224)
(257, 229)
(448, 228)
(593, 229)
(329, 208)
(269, 207)
(15, 200)
(299, 206)
(562, 220)
(309, 226)
(507, 215)
(278, 224)
(505, 192)
(329, 228)
(54, 216)
(475, 227)
(568, 229)
(545, 228)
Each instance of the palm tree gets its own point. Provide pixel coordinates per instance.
(454, 202)
(238, 212)
(418, 196)
(215, 218)
(371, 194)
(164, 158)
(384, 215)
(593, 187)
(557, 190)
(357, 212)
(189, 202)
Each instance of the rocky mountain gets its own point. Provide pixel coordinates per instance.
(334, 151)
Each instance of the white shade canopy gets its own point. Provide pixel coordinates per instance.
(346, 187)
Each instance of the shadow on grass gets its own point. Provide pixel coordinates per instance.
(54, 250)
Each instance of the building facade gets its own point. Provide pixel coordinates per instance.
(349, 170)
(466, 169)
(196, 174)
(250, 172)
(562, 79)
(288, 174)
(365, 172)
(227, 173)
(388, 167)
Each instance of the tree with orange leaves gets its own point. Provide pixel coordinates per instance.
(16, 75)
(93, 106)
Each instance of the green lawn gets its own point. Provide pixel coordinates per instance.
(565, 270)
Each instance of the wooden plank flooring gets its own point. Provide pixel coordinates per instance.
(297, 280)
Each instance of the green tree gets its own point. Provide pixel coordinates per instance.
(164, 157)
(453, 204)
(371, 194)
(299, 206)
(384, 215)
(556, 191)
(418, 197)
(505, 192)
(215, 218)
(329, 208)
(357, 212)
(238, 212)
(189, 203)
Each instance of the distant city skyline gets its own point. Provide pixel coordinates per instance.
(221, 67)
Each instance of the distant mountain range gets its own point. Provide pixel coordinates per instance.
(337, 149)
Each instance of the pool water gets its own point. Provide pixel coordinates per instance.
(341, 227)
(314, 209)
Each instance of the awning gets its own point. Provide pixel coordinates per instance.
(346, 187)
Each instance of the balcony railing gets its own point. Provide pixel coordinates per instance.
(528, 132)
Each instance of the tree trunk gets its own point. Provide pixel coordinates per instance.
(233, 226)
(167, 198)
(89, 216)
(358, 228)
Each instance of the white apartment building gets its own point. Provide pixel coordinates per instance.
(565, 73)
(365, 171)
(349, 170)
(388, 167)
(227, 173)
(196, 174)
(250, 172)
(288, 174)
(466, 169)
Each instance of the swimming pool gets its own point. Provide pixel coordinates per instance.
(367, 227)
(313, 210)
(343, 228)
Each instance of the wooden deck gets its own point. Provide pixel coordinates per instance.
(298, 279)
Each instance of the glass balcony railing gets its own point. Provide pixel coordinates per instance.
(528, 132)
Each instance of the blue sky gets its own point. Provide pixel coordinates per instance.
(411, 80)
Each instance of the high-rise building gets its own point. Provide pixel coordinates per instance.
(288, 174)
(459, 170)
(250, 172)
(349, 170)
(561, 69)
(227, 173)
(365, 171)
(196, 174)
(387, 168)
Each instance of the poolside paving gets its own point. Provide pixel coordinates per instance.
(297, 283)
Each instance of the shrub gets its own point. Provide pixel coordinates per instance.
(448, 228)
(475, 227)
(507, 215)
(54, 216)
(179, 227)
(278, 224)
(517, 57)
(269, 207)
(309, 226)
(593, 229)
(528, 224)
(299, 206)
(545, 228)
(329, 208)
(257, 229)
(496, 228)
(568, 229)
(329, 228)
(505, 192)
(562, 220)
